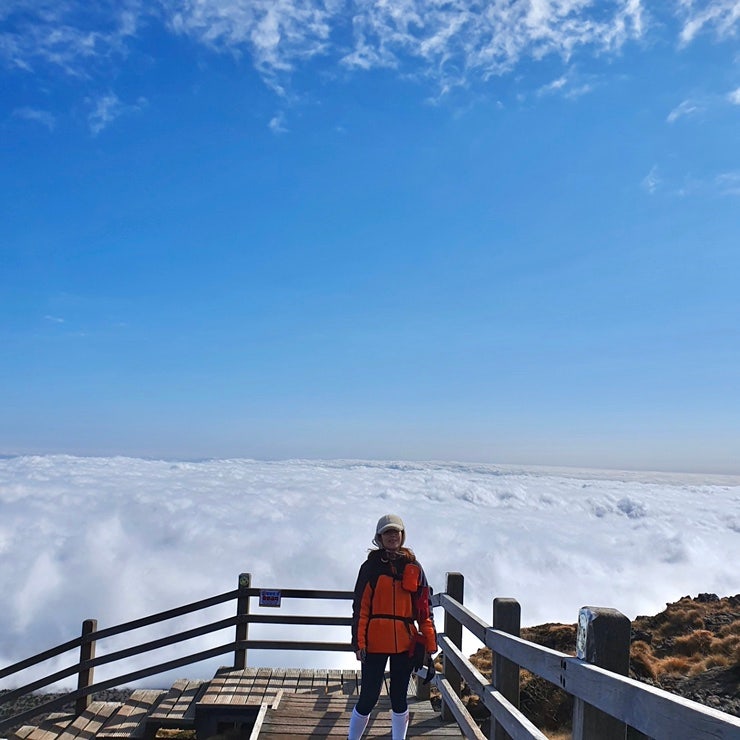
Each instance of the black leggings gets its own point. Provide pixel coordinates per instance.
(373, 669)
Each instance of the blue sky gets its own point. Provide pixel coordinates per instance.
(505, 232)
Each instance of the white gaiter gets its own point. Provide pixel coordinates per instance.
(399, 724)
(357, 725)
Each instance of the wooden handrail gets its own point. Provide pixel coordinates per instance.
(117, 655)
(117, 630)
(472, 622)
(198, 632)
(303, 593)
(21, 665)
(512, 720)
(649, 710)
(179, 611)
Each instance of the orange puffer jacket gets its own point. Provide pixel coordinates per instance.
(389, 597)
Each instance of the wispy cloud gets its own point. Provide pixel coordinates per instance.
(459, 40)
(720, 16)
(567, 85)
(54, 319)
(36, 116)
(553, 86)
(690, 185)
(728, 183)
(450, 43)
(578, 90)
(686, 108)
(652, 180)
(277, 124)
(277, 33)
(107, 108)
(65, 33)
(709, 102)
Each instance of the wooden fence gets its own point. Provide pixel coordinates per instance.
(607, 704)
(91, 636)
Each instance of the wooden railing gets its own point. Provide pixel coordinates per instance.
(91, 637)
(607, 704)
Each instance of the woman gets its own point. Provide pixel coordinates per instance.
(391, 594)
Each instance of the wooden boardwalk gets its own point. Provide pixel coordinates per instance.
(253, 702)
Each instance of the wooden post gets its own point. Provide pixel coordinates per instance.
(453, 630)
(603, 640)
(85, 675)
(242, 629)
(505, 674)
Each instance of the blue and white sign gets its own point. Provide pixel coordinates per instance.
(270, 598)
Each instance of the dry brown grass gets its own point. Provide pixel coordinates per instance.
(688, 638)
(699, 641)
(678, 620)
(711, 661)
(482, 661)
(731, 629)
(676, 665)
(728, 642)
(642, 660)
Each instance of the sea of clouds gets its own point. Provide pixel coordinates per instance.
(120, 538)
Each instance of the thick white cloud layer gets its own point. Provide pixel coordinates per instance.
(118, 538)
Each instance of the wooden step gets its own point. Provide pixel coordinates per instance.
(129, 721)
(48, 729)
(64, 727)
(176, 710)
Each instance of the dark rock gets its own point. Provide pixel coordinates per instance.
(715, 687)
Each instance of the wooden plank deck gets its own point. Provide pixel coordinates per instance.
(317, 715)
(285, 703)
(255, 686)
(235, 696)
